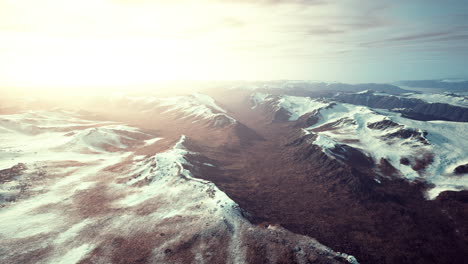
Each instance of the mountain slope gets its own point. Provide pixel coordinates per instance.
(123, 206)
(412, 149)
(286, 179)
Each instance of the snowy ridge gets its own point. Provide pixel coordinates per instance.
(259, 98)
(350, 125)
(167, 178)
(163, 164)
(295, 105)
(116, 137)
(432, 149)
(24, 136)
(35, 122)
(195, 106)
(448, 144)
(34, 148)
(325, 142)
(165, 172)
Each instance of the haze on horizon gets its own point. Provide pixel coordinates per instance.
(90, 43)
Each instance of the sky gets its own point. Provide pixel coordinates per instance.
(97, 43)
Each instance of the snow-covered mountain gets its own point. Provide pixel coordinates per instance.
(415, 149)
(194, 107)
(280, 173)
(114, 204)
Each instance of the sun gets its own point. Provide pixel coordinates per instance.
(111, 43)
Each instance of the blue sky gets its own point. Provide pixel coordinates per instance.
(60, 43)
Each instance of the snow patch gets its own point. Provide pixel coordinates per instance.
(152, 141)
(72, 232)
(325, 142)
(73, 255)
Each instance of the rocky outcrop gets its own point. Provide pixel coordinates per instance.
(406, 133)
(10, 173)
(384, 124)
(462, 169)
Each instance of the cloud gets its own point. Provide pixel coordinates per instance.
(253, 2)
(323, 30)
(418, 37)
(276, 2)
(453, 38)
